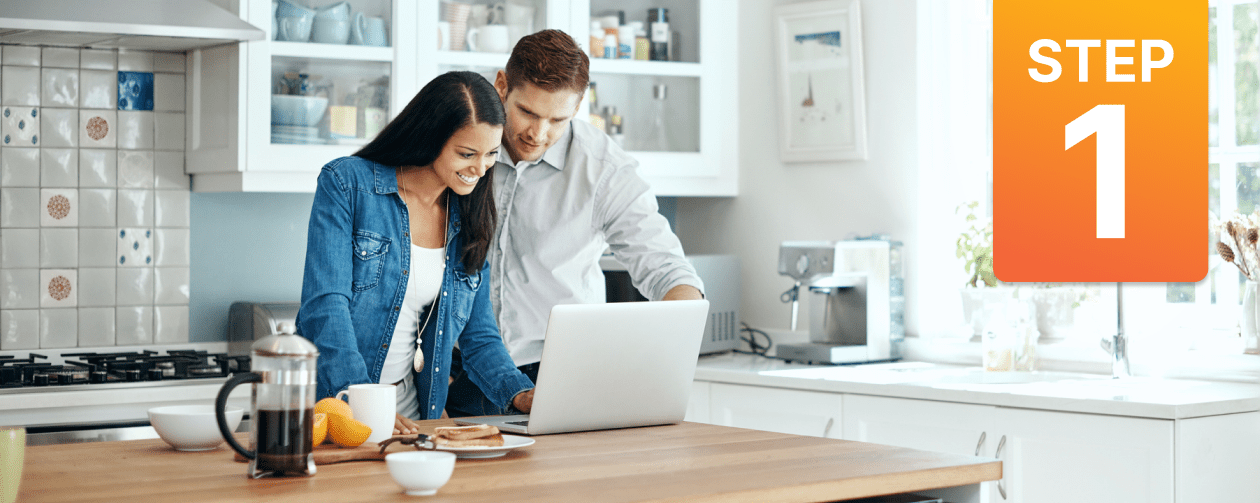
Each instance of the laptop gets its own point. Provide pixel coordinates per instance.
(608, 366)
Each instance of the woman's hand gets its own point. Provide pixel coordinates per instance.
(405, 426)
(524, 401)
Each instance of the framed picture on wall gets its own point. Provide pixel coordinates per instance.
(822, 102)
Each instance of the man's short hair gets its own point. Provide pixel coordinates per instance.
(550, 60)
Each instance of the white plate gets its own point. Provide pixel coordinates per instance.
(509, 442)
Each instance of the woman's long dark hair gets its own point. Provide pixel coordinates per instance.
(417, 136)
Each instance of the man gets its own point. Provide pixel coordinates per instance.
(564, 192)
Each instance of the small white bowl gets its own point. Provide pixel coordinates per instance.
(421, 473)
(192, 427)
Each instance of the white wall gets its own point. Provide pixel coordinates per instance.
(829, 201)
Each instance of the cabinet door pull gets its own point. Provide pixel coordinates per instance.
(980, 443)
(827, 428)
(1001, 485)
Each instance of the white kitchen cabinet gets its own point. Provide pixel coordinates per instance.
(779, 410)
(1046, 456)
(698, 406)
(1217, 458)
(685, 143)
(233, 145)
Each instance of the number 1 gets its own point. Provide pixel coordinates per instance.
(1108, 122)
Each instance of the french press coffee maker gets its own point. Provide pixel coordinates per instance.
(282, 405)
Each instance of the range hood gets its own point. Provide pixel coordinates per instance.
(163, 25)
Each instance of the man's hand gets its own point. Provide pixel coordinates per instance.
(524, 401)
(683, 292)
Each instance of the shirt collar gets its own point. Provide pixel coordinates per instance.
(554, 156)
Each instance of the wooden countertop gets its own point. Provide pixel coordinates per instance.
(683, 462)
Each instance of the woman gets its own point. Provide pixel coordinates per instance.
(396, 269)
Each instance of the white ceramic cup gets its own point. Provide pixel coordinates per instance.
(375, 406)
(444, 36)
(421, 473)
(488, 38)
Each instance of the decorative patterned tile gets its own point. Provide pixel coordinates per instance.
(169, 133)
(98, 89)
(135, 130)
(135, 248)
(60, 57)
(59, 207)
(98, 168)
(98, 208)
(20, 55)
(97, 247)
(21, 126)
(171, 247)
(19, 86)
(171, 208)
(171, 286)
(133, 325)
(19, 207)
(58, 288)
(19, 248)
(59, 167)
(135, 169)
(168, 92)
(171, 62)
(60, 88)
(98, 128)
(19, 167)
(58, 328)
(59, 127)
(19, 288)
(58, 248)
(135, 61)
(19, 329)
(99, 59)
(96, 327)
(135, 286)
(135, 91)
(168, 171)
(170, 324)
(98, 287)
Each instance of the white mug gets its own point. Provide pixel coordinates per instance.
(488, 38)
(444, 36)
(374, 405)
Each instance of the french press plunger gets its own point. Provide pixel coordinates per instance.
(282, 408)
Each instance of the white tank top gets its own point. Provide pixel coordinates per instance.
(423, 285)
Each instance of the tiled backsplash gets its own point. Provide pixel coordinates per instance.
(94, 202)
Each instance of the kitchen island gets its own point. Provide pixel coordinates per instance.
(683, 462)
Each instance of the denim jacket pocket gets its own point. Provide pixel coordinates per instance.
(369, 254)
(465, 291)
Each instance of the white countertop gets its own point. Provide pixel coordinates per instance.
(1147, 397)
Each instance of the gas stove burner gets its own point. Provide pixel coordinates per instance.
(102, 368)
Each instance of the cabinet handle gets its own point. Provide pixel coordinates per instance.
(827, 428)
(980, 443)
(998, 454)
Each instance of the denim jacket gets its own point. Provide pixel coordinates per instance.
(357, 252)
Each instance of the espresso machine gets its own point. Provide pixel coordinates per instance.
(856, 295)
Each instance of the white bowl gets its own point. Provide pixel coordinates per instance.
(192, 427)
(293, 110)
(421, 473)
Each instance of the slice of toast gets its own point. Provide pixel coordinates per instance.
(495, 440)
(466, 432)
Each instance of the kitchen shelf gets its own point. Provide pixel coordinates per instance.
(473, 59)
(635, 67)
(332, 51)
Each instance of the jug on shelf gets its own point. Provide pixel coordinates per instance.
(282, 408)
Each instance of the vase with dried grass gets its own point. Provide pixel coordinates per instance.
(1237, 245)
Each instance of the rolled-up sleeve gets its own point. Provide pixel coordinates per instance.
(639, 236)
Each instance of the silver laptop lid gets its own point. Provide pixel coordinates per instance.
(617, 365)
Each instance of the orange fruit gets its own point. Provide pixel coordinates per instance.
(347, 432)
(320, 431)
(333, 406)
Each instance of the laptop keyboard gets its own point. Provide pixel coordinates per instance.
(519, 423)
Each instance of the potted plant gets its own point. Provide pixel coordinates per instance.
(975, 248)
(1236, 244)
